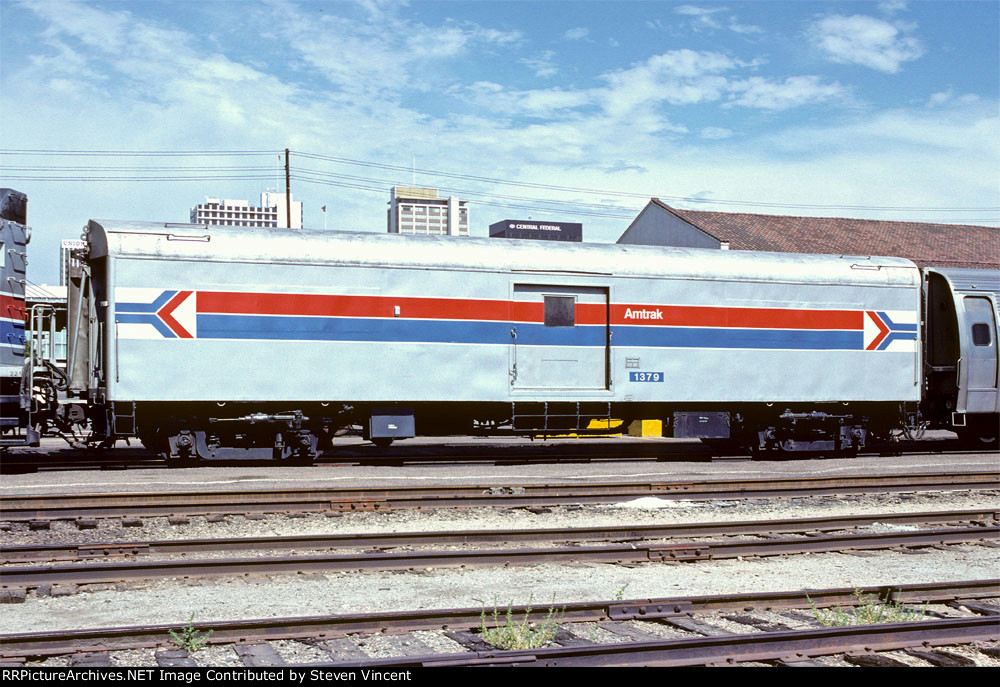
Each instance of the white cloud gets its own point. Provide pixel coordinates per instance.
(154, 86)
(688, 63)
(383, 55)
(703, 17)
(502, 38)
(541, 64)
(695, 11)
(577, 33)
(486, 87)
(104, 30)
(736, 27)
(792, 92)
(686, 77)
(436, 42)
(866, 41)
(949, 97)
(715, 133)
(973, 130)
(636, 96)
(892, 6)
(850, 163)
(940, 98)
(679, 77)
(549, 102)
(712, 19)
(66, 62)
(377, 9)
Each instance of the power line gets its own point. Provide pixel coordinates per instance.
(298, 170)
(606, 192)
(20, 177)
(466, 192)
(569, 209)
(319, 177)
(400, 168)
(157, 168)
(140, 153)
(533, 208)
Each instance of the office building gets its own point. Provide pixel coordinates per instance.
(415, 210)
(272, 212)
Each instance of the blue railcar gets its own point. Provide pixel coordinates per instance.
(15, 423)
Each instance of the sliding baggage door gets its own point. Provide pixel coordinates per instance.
(559, 337)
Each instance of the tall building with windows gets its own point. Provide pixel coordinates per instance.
(272, 212)
(416, 210)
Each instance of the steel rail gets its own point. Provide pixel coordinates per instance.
(543, 453)
(81, 551)
(106, 572)
(562, 451)
(790, 646)
(341, 499)
(58, 642)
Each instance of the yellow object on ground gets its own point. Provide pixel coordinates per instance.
(646, 428)
(638, 428)
(606, 424)
(610, 425)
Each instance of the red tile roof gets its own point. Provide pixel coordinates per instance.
(941, 245)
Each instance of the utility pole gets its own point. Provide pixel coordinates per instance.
(288, 192)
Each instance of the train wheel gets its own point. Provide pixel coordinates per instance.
(981, 434)
(726, 447)
(299, 460)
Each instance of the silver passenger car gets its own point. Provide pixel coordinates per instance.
(211, 342)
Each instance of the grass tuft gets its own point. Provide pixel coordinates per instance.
(190, 639)
(870, 610)
(510, 633)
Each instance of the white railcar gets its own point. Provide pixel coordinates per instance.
(223, 341)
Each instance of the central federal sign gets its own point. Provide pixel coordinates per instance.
(530, 229)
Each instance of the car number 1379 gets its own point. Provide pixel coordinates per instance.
(645, 376)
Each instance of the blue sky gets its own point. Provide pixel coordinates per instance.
(803, 108)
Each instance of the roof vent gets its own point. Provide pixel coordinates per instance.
(179, 237)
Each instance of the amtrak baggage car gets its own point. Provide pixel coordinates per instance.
(220, 341)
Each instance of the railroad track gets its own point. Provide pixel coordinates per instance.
(641, 545)
(785, 648)
(338, 640)
(173, 547)
(339, 499)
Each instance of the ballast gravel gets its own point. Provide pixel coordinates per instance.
(299, 652)
(644, 511)
(174, 601)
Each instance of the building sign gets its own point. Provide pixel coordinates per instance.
(530, 229)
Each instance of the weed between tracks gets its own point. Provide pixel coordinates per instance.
(190, 639)
(870, 610)
(510, 633)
